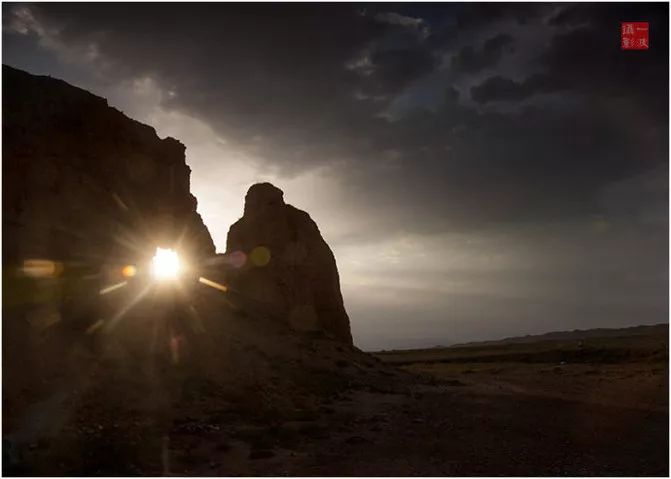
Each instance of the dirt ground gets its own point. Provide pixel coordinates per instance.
(478, 418)
(474, 421)
(244, 397)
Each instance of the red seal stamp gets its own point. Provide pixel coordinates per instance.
(635, 35)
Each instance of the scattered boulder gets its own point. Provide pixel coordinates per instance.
(289, 270)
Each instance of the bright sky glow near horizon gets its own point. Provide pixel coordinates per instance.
(476, 170)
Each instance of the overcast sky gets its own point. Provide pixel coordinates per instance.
(479, 170)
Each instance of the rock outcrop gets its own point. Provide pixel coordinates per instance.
(84, 183)
(86, 189)
(282, 266)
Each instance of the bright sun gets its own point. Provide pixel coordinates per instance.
(165, 264)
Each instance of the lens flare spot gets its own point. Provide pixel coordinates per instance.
(41, 268)
(175, 343)
(601, 226)
(260, 256)
(237, 259)
(128, 271)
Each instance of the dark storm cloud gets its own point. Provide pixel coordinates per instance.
(300, 86)
(479, 14)
(571, 15)
(504, 89)
(471, 60)
(391, 70)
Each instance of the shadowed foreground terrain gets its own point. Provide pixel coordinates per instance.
(302, 406)
(591, 406)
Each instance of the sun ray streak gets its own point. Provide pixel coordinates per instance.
(112, 322)
(95, 326)
(213, 284)
(114, 287)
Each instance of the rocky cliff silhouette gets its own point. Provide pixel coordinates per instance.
(105, 373)
(83, 182)
(89, 189)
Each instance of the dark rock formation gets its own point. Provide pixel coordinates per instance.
(93, 383)
(84, 183)
(287, 269)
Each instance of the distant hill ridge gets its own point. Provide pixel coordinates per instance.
(576, 334)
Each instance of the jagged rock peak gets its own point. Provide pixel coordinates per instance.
(290, 272)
